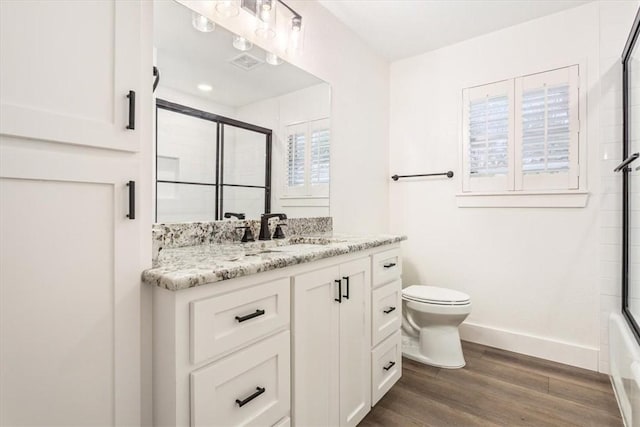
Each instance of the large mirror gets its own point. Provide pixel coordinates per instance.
(239, 132)
(630, 171)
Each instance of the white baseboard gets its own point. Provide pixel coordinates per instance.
(545, 348)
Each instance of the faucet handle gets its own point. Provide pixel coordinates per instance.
(279, 234)
(248, 234)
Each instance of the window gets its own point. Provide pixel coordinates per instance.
(522, 134)
(308, 159)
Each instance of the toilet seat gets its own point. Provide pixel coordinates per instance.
(435, 295)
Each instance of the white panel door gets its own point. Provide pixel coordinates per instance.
(67, 68)
(69, 287)
(355, 342)
(316, 348)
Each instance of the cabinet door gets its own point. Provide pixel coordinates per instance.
(70, 259)
(67, 68)
(355, 342)
(69, 288)
(316, 348)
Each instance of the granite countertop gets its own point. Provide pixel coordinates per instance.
(190, 266)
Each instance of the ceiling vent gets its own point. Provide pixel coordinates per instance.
(246, 62)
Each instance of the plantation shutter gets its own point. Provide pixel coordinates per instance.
(488, 137)
(320, 152)
(308, 156)
(296, 159)
(547, 126)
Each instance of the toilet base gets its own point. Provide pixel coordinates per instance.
(411, 349)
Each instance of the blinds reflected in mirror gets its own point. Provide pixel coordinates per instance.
(308, 159)
(545, 129)
(296, 159)
(320, 155)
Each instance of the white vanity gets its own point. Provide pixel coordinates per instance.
(313, 341)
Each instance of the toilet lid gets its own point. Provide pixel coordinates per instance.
(435, 295)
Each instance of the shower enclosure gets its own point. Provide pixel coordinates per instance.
(208, 165)
(630, 170)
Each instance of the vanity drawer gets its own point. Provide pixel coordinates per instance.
(221, 323)
(386, 366)
(386, 311)
(250, 387)
(387, 266)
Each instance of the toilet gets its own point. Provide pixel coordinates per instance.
(430, 320)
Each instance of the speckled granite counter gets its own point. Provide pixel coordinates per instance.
(190, 266)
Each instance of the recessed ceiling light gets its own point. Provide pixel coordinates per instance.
(205, 87)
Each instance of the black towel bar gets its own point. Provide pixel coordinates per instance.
(448, 174)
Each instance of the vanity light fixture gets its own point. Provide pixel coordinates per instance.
(295, 35)
(202, 23)
(205, 87)
(227, 8)
(265, 13)
(273, 59)
(266, 22)
(241, 43)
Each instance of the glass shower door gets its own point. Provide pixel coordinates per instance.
(630, 169)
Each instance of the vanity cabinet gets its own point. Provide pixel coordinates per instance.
(331, 344)
(291, 346)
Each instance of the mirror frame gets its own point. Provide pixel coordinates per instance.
(626, 145)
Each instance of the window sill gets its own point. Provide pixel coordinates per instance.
(522, 199)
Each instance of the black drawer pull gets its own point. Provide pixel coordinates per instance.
(132, 200)
(132, 110)
(346, 296)
(388, 310)
(241, 319)
(389, 366)
(259, 391)
(391, 264)
(339, 299)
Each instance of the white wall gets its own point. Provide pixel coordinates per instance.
(359, 81)
(532, 273)
(277, 113)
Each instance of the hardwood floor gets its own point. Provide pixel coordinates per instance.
(497, 388)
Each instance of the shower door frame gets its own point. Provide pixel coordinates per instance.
(219, 181)
(626, 145)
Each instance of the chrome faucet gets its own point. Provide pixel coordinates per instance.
(265, 234)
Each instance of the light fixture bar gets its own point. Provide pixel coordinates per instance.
(293, 12)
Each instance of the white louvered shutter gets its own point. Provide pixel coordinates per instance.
(547, 129)
(320, 152)
(488, 137)
(296, 159)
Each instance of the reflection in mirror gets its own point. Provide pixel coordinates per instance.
(631, 182)
(235, 133)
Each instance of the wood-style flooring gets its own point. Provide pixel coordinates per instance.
(497, 388)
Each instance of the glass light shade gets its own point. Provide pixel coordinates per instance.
(294, 44)
(273, 59)
(242, 44)
(266, 22)
(227, 8)
(202, 23)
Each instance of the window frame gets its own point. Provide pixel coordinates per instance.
(573, 195)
